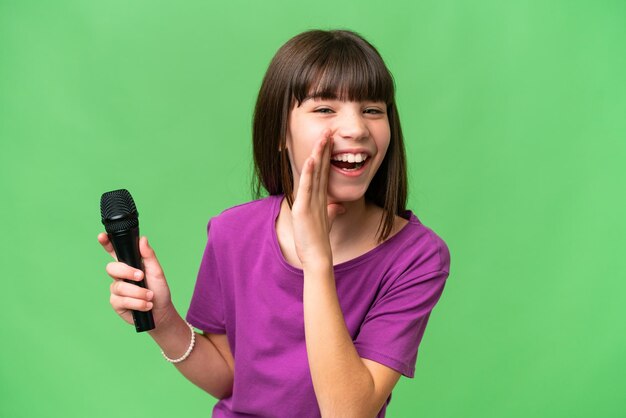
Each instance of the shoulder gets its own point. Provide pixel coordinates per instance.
(243, 218)
(421, 247)
(247, 209)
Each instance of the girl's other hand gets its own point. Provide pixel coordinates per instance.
(126, 297)
(311, 214)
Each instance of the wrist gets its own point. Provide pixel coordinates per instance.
(315, 258)
(170, 319)
(186, 354)
(321, 267)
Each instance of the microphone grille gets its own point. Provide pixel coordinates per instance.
(118, 211)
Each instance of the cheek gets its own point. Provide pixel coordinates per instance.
(296, 166)
(297, 156)
(300, 146)
(383, 143)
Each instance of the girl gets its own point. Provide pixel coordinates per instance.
(313, 300)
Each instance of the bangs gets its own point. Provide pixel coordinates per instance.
(343, 71)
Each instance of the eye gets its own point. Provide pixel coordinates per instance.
(374, 111)
(323, 110)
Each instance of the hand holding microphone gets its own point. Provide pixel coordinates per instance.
(139, 296)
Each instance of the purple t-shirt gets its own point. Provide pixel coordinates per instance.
(247, 290)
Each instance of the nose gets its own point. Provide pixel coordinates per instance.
(350, 125)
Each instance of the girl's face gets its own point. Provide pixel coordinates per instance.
(361, 135)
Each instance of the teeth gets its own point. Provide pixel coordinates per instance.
(350, 158)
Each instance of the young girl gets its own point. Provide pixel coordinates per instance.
(311, 301)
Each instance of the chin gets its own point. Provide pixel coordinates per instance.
(345, 194)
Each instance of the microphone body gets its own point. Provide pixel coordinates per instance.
(121, 222)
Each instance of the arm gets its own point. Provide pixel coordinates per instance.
(209, 366)
(345, 385)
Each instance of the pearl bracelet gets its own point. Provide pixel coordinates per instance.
(188, 352)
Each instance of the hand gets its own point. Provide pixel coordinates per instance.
(128, 296)
(312, 216)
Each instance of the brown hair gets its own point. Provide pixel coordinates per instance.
(328, 64)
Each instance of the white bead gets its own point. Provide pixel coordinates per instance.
(188, 352)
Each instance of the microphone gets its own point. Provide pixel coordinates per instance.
(120, 219)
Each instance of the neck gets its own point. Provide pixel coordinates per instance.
(352, 227)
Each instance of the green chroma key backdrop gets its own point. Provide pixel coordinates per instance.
(515, 121)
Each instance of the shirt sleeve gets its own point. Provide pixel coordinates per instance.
(206, 310)
(394, 326)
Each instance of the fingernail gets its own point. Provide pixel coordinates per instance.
(149, 305)
(137, 275)
(149, 294)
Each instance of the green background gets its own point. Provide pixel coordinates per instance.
(515, 122)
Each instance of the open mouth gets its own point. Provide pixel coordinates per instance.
(349, 161)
